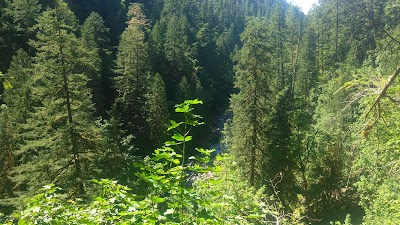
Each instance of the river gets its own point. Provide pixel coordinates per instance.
(217, 135)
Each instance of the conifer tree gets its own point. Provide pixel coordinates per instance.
(7, 148)
(13, 113)
(279, 163)
(157, 109)
(184, 90)
(5, 38)
(24, 13)
(177, 49)
(131, 82)
(94, 36)
(156, 49)
(61, 137)
(18, 98)
(250, 106)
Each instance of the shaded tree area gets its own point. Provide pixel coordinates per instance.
(89, 89)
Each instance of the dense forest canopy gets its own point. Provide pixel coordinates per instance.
(108, 108)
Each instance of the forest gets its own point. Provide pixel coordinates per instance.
(199, 112)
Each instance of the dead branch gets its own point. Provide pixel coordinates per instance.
(383, 93)
(392, 99)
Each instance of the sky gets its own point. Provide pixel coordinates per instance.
(305, 5)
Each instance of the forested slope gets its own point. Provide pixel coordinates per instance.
(96, 89)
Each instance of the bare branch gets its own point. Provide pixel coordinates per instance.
(392, 99)
(383, 94)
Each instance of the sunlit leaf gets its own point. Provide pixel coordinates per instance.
(169, 211)
(178, 137)
(174, 125)
(254, 216)
(7, 85)
(170, 143)
(193, 102)
(182, 108)
(157, 199)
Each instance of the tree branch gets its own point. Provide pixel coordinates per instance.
(383, 94)
(392, 99)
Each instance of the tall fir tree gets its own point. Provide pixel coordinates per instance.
(94, 37)
(176, 47)
(21, 15)
(250, 105)
(131, 81)
(61, 137)
(157, 109)
(24, 13)
(7, 148)
(14, 112)
(18, 98)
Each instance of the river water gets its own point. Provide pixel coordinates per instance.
(217, 135)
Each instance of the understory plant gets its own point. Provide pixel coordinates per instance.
(179, 190)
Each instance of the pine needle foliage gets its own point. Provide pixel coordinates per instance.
(60, 135)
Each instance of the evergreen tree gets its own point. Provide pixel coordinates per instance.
(24, 13)
(7, 148)
(131, 82)
(5, 38)
(94, 37)
(21, 17)
(184, 90)
(18, 98)
(61, 137)
(280, 160)
(250, 106)
(156, 49)
(157, 109)
(177, 49)
(17, 106)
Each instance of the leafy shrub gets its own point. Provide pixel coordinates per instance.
(217, 195)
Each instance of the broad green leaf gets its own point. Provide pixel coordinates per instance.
(193, 102)
(217, 169)
(178, 137)
(188, 138)
(163, 155)
(157, 199)
(206, 152)
(170, 143)
(254, 216)
(174, 125)
(22, 222)
(192, 122)
(176, 161)
(183, 108)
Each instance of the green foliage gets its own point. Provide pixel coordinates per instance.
(217, 196)
(7, 158)
(377, 165)
(18, 97)
(94, 37)
(314, 118)
(6, 82)
(238, 202)
(61, 139)
(131, 80)
(156, 107)
(347, 221)
(249, 106)
(24, 13)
